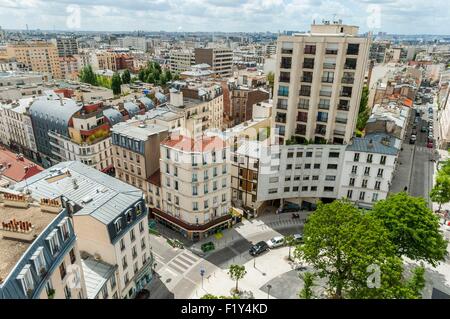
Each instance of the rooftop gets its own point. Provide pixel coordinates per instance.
(375, 143)
(11, 250)
(96, 194)
(137, 129)
(15, 167)
(187, 144)
(96, 274)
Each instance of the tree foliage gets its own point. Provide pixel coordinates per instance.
(289, 241)
(364, 112)
(342, 242)
(441, 190)
(87, 75)
(115, 84)
(237, 272)
(126, 77)
(308, 283)
(271, 79)
(153, 73)
(412, 226)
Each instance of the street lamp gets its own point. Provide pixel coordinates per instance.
(268, 291)
(202, 273)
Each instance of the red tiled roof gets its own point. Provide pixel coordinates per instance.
(187, 144)
(155, 179)
(189, 227)
(14, 168)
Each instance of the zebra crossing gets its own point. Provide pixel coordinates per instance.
(424, 149)
(182, 263)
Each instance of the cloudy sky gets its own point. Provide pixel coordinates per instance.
(393, 16)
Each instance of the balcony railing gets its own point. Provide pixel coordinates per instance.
(303, 106)
(352, 51)
(350, 66)
(341, 120)
(300, 131)
(306, 79)
(285, 79)
(281, 106)
(339, 133)
(321, 130)
(324, 106)
(287, 51)
(348, 80)
(325, 93)
(308, 65)
(305, 93)
(330, 66)
(310, 51)
(302, 119)
(327, 80)
(346, 94)
(331, 51)
(285, 65)
(343, 107)
(280, 119)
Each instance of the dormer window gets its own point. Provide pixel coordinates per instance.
(128, 216)
(53, 242)
(39, 261)
(138, 209)
(118, 224)
(26, 280)
(64, 228)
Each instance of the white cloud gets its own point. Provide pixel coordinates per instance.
(397, 16)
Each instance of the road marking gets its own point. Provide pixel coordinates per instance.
(176, 268)
(170, 271)
(186, 261)
(192, 258)
(179, 263)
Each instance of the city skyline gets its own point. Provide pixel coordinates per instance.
(391, 16)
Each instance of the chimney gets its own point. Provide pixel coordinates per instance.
(176, 98)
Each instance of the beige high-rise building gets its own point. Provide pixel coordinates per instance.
(318, 83)
(40, 56)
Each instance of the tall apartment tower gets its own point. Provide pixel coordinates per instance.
(67, 46)
(318, 83)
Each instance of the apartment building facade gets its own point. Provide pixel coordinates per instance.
(136, 151)
(318, 83)
(181, 60)
(220, 60)
(39, 56)
(67, 46)
(39, 250)
(194, 186)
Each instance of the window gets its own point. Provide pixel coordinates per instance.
(354, 169)
(299, 154)
(290, 155)
(362, 195)
(377, 185)
(273, 190)
(356, 157)
(39, 261)
(134, 252)
(53, 242)
(224, 183)
(126, 279)
(313, 188)
(26, 279)
(306, 178)
(369, 158)
(307, 166)
(287, 189)
(143, 243)
(328, 189)
(132, 236)
(330, 178)
(304, 188)
(194, 177)
(273, 180)
(194, 190)
(105, 292)
(380, 172)
(214, 185)
(138, 208)
(287, 179)
(383, 160)
(364, 183)
(332, 166)
(367, 171)
(112, 282)
(298, 166)
(64, 228)
(374, 197)
(122, 245)
(141, 227)
(224, 198)
(295, 189)
(62, 270)
(73, 257)
(118, 224)
(205, 204)
(194, 206)
(124, 263)
(144, 258)
(308, 154)
(316, 166)
(352, 182)
(67, 292)
(215, 171)
(289, 166)
(135, 268)
(224, 169)
(205, 175)
(349, 194)
(297, 178)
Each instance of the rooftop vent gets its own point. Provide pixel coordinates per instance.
(86, 199)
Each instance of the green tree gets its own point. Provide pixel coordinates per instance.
(271, 79)
(126, 77)
(237, 272)
(175, 77)
(87, 75)
(364, 112)
(289, 241)
(342, 242)
(412, 226)
(441, 190)
(142, 75)
(168, 75)
(308, 283)
(115, 84)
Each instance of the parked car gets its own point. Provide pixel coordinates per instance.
(298, 237)
(258, 248)
(414, 132)
(289, 208)
(412, 140)
(430, 144)
(423, 129)
(275, 242)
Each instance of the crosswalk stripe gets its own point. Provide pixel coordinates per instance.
(179, 263)
(186, 261)
(178, 270)
(190, 257)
